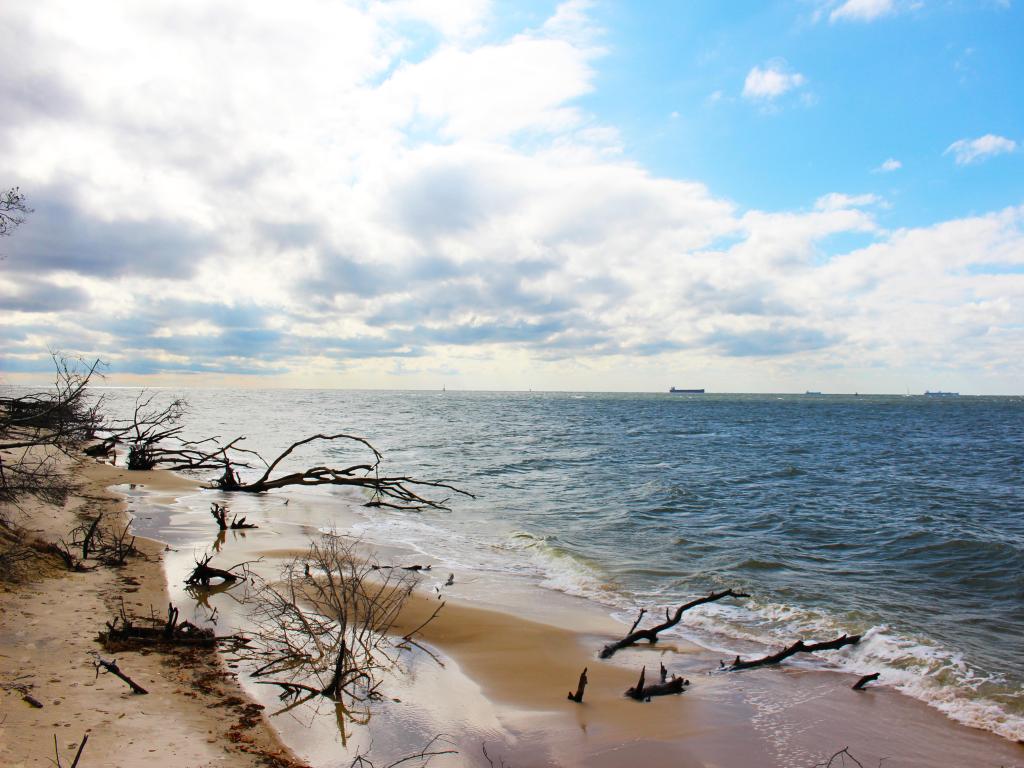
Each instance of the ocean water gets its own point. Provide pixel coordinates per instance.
(901, 518)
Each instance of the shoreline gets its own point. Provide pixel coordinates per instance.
(512, 662)
(499, 678)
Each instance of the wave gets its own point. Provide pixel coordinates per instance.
(915, 666)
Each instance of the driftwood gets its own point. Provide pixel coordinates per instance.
(24, 688)
(89, 535)
(842, 754)
(203, 573)
(153, 435)
(578, 696)
(421, 758)
(798, 647)
(39, 427)
(112, 668)
(101, 449)
(667, 686)
(123, 633)
(392, 492)
(327, 635)
(859, 685)
(651, 634)
(78, 754)
(402, 567)
(220, 514)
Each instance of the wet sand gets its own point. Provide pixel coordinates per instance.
(503, 654)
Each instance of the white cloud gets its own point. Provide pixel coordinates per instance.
(455, 208)
(890, 165)
(967, 151)
(835, 201)
(771, 81)
(862, 10)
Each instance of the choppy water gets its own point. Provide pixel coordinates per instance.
(898, 517)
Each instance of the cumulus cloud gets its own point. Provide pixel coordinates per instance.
(771, 81)
(862, 10)
(890, 165)
(967, 151)
(314, 193)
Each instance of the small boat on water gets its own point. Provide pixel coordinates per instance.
(674, 391)
(941, 394)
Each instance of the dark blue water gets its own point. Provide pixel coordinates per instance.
(900, 517)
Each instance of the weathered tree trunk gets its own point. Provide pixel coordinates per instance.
(642, 692)
(798, 647)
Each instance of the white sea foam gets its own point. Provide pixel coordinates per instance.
(915, 667)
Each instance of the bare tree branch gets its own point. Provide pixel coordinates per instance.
(651, 634)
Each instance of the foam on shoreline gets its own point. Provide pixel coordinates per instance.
(512, 646)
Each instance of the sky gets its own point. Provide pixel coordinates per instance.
(587, 195)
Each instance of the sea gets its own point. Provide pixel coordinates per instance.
(898, 518)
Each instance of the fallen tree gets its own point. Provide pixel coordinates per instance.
(393, 492)
(798, 647)
(154, 436)
(651, 634)
(37, 428)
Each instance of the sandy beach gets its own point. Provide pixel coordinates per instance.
(195, 713)
(493, 672)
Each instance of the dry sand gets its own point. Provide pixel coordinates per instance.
(195, 714)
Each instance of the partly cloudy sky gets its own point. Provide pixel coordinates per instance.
(594, 195)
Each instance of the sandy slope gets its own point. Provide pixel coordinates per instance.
(195, 713)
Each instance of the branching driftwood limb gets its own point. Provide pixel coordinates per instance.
(204, 573)
(394, 492)
(111, 667)
(220, 514)
(841, 755)
(798, 647)
(38, 428)
(430, 750)
(324, 632)
(651, 634)
(667, 686)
